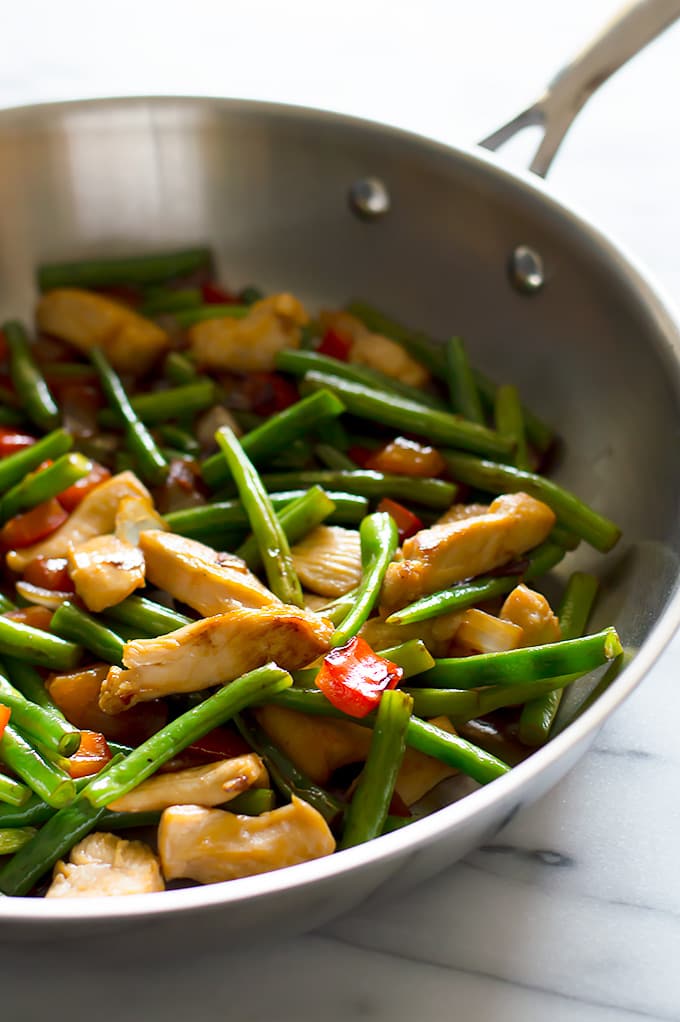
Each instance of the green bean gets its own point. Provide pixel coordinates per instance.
(430, 353)
(39, 724)
(253, 802)
(296, 520)
(149, 618)
(187, 317)
(179, 368)
(430, 492)
(299, 363)
(485, 587)
(412, 656)
(462, 705)
(35, 811)
(43, 484)
(274, 548)
(163, 301)
(13, 793)
(38, 647)
(178, 437)
(6, 604)
(78, 372)
(11, 417)
(148, 269)
(410, 416)
(12, 840)
(230, 515)
(158, 406)
(571, 512)
(285, 775)
(250, 294)
(463, 393)
(379, 542)
(70, 622)
(420, 735)
(53, 841)
(46, 779)
(115, 781)
(509, 421)
(515, 666)
(128, 821)
(367, 812)
(276, 434)
(538, 715)
(563, 537)
(15, 467)
(332, 458)
(28, 380)
(152, 464)
(30, 683)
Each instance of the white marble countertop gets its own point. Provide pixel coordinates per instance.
(573, 912)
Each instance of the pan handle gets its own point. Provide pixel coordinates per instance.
(629, 32)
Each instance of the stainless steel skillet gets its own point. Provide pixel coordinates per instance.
(594, 350)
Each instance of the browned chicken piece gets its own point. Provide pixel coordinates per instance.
(318, 746)
(210, 784)
(105, 570)
(87, 320)
(104, 865)
(253, 342)
(480, 632)
(213, 651)
(459, 511)
(328, 560)
(375, 350)
(199, 576)
(534, 615)
(210, 845)
(94, 516)
(438, 557)
(136, 515)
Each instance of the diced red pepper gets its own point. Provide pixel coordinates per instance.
(271, 393)
(360, 455)
(408, 458)
(407, 523)
(12, 440)
(213, 294)
(70, 498)
(34, 616)
(49, 573)
(32, 526)
(5, 714)
(353, 677)
(91, 757)
(4, 349)
(334, 345)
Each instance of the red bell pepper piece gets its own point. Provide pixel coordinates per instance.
(5, 714)
(213, 294)
(12, 440)
(70, 498)
(334, 345)
(91, 757)
(270, 393)
(359, 455)
(353, 677)
(32, 526)
(49, 573)
(407, 523)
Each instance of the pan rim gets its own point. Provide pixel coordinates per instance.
(510, 787)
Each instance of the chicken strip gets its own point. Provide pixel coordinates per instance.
(253, 342)
(106, 865)
(328, 560)
(210, 845)
(438, 557)
(374, 350)
(199, 576)
(94, 516)
(214, 651)
(136, 515)
(87, 320)
(534, 615)
(210, 784)
(105, 570)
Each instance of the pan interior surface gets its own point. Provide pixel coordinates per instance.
(594, 352)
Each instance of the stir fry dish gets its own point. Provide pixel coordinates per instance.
(269, 577)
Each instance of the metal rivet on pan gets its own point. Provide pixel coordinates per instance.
(526, 270)
(369, 198)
